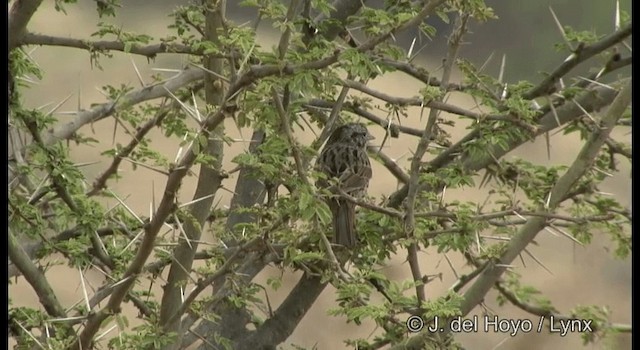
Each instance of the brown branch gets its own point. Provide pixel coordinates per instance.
(295, 150)
(206, 282)
(320, 103)
(157, 266)
(427, 10)
(193, 25)
(416, 162)
(613, 64)
(174, 181)
(209, 181)
(19, 16)
(57, 179)
(419, 73)
(100, 182)
(494, 269)
(413, 101)
(32, 249)
(542, 312)
(576, 220)
(619, 148)
(278, 327)
(329, 123)
(162, 89)
(613, 145)
(527, 233)
(314, 104)
(513, 299)
(447, 155)
(626, 212)
(389, 163)
(35, 277)
(465, 279)
(372, 207)
(149, 51)
(336, 19)
(581, 54)
(592, 100)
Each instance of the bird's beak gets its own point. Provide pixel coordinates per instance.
(370, 137)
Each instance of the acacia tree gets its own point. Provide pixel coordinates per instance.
(326, 51)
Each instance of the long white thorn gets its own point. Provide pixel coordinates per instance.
(84, 290)
(617, 16)
(135, 67)
(561, 29)
(413, 42)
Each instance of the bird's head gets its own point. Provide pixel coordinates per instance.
(351, 133)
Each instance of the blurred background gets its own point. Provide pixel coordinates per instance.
(525, 35)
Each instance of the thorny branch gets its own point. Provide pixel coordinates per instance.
(551, 313)
(525, 235)
(581, 54)
(119, 290)
(150, 51)
(416, 162)
(19, 16)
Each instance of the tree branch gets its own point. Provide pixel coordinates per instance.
(527, 233)
(427, 10)
(278, 327)
(581, 54)
(162, 89)
(336, 19)
(317, 103)
(100, 182)
(414, 101)
(419, 73)
(19, 16)
(149, 51)
(542, 312)
(389, 163)
(416, 161)
(226, 268)
(35, 277)
(209, 181)
(591, 100)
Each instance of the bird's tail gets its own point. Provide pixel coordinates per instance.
(344, 225)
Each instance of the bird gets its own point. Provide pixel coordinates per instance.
(344, 158)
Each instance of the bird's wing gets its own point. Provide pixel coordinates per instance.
(357, 173)
(349, 164)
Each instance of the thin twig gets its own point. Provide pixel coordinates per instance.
(581, 54)
(409, 219)
(149, 51)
